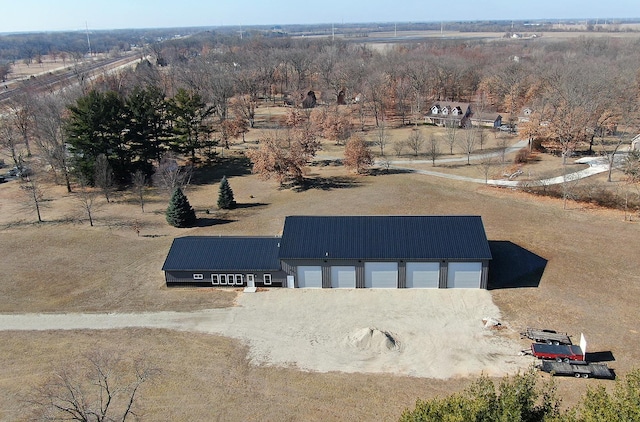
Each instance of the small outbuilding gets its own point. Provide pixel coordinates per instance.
(341, 252)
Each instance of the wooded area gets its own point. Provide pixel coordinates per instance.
(190, 98)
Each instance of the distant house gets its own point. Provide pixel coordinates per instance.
(525, 115)
(448, 113)
(340, 252)
(492, 120)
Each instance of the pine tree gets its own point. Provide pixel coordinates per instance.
(180, 213)
(225, 197)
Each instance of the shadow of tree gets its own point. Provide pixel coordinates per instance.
(235, 166)
(208, 222)
(326, 183)
(383, 171)
(513, 266)
(250, 205)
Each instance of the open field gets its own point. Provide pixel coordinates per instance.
(590, 284)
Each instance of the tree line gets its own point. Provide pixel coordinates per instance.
(523, 398)
(199, 92)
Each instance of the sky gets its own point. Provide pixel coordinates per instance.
(63, 15)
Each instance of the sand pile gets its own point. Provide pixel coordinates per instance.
(373, 339)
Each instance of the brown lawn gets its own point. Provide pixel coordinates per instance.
(591, 284)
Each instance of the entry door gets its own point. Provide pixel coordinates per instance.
(464, 275)
(310, 277)
(343, 277)
(381, 275)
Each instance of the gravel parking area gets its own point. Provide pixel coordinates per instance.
(423, 333)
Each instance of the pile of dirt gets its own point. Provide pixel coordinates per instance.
(373, 339)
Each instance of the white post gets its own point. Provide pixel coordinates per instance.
(583, 345)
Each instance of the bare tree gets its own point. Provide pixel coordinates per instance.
(398, 147)
(34, 194)
(86, 197)
(503, 144)
(381, 137)
(433, 150)
(451, 133)
(487, 162)
(103, 176)
(106, 389)
(9, 141)
(139, 184)
(22, 117)
(415, 141)
(50, 135)
(468, 143)
(170, 175)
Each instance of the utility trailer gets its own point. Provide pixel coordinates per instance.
(546, 336)
(562, 352)
(578, 369)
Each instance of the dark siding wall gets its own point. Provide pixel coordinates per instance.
(484, 281)
(326, 275)
(185, 278)
(444, 268)
(402, 275)
(360, 275)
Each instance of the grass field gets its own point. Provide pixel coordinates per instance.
(590, 284)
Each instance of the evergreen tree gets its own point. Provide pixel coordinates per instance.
(180, 213)
(225, 197)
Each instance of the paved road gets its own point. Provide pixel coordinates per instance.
(596, 165)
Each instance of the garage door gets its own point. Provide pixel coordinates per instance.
(381, 275)
(310, 276)
(343, 277)
(421, 275)
(466, 275)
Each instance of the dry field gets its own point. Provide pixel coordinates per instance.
(590, 284)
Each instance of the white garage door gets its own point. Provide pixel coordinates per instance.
(310, 276)
(381, 275)
(343, 277)
(466, 275)
(423, 275)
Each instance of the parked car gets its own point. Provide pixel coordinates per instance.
(19, 172)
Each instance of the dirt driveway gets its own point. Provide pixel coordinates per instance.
(421, 333)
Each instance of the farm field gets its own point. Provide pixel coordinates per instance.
(590, 284)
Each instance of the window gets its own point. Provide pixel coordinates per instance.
(223, 279)
(198, 277)
(215, 279)
(267, 279)
(239, 281)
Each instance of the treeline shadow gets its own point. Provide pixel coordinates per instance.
(230, 167)
(513, 266)
(325, 183)
(390, 170)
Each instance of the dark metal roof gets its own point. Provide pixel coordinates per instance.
(199, 253)
(385, 237)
